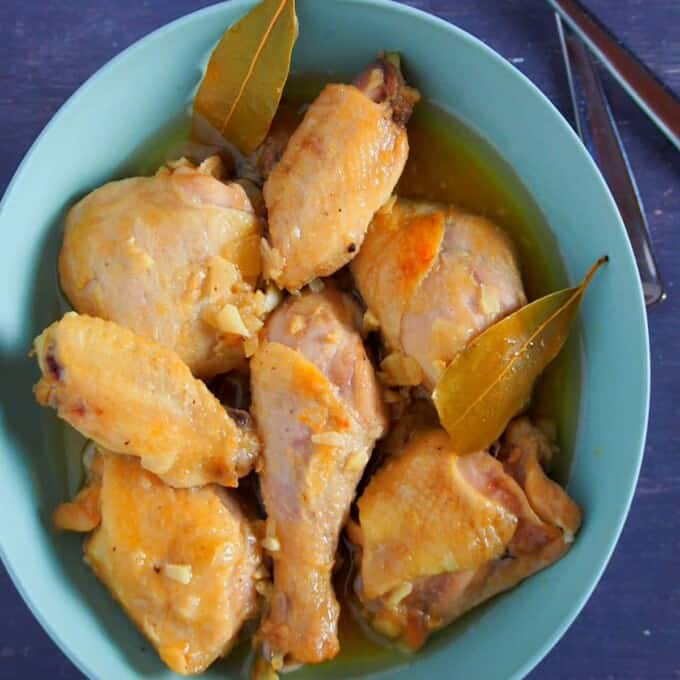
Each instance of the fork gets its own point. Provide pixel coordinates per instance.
(598, 130)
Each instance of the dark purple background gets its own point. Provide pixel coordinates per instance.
(631, 626)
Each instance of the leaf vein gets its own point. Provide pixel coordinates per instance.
(251, 67)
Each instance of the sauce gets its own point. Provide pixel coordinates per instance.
(452, 163)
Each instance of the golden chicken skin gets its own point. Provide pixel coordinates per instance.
(440, 533)
(318, 410)
(427, 488)
(339, 166)
(434, 277)
(174, 257)
(133, 396)
(181, 562)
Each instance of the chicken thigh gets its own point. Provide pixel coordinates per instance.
(174, 257)
(338, 168)
(318, 410)
(435, 277)
(133, 396)
(181, 562)
(440, 533)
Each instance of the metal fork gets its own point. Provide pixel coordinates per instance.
(597, 128)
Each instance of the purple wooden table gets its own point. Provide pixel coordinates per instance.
(631, 626)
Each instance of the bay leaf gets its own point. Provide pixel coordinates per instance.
(243, 83)
(491, 380)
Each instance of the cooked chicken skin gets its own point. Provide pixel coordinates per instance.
(545, 521)
(525, 452)
(165, 256)
(318, 410)
(339, 167)
(181, 562)
(435, 277)
(429, 511)
(133, 396)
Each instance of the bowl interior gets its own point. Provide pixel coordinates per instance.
(93, 138)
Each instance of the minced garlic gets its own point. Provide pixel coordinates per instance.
(335, 439)
(228, 320)
(179, 572)
(399, 369)
(269, 299)
(272, 260)
(271, 543)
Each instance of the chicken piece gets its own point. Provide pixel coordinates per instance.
(546, 521)
(435, 277)
(417, 494)
(133, 396)
(174, 257)
(181, 562)
(339, 167)
(318, 409)
(435, 602)
(525, 450)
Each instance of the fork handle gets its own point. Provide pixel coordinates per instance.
(597, 128)
(660, 104)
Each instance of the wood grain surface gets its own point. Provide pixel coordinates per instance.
(631, 626)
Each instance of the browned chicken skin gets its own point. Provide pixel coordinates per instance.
(318, 409)
(411, 591)
(133, 396)
(339, 167)
(182, 562)
(435, 277)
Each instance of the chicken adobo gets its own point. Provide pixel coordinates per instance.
(230, 270)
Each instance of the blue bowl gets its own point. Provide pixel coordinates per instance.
(90, 141)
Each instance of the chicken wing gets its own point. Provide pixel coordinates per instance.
(174, 257)
(339, 167)
(434, 278)
(133, 396)
(318, 410)
(181, 562)
(495, 521)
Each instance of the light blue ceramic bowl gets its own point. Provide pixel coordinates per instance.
(90, 140)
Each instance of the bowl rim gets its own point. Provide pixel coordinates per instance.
(537, 655)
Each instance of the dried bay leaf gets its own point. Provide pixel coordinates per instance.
(491, 380)
(242, 86)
